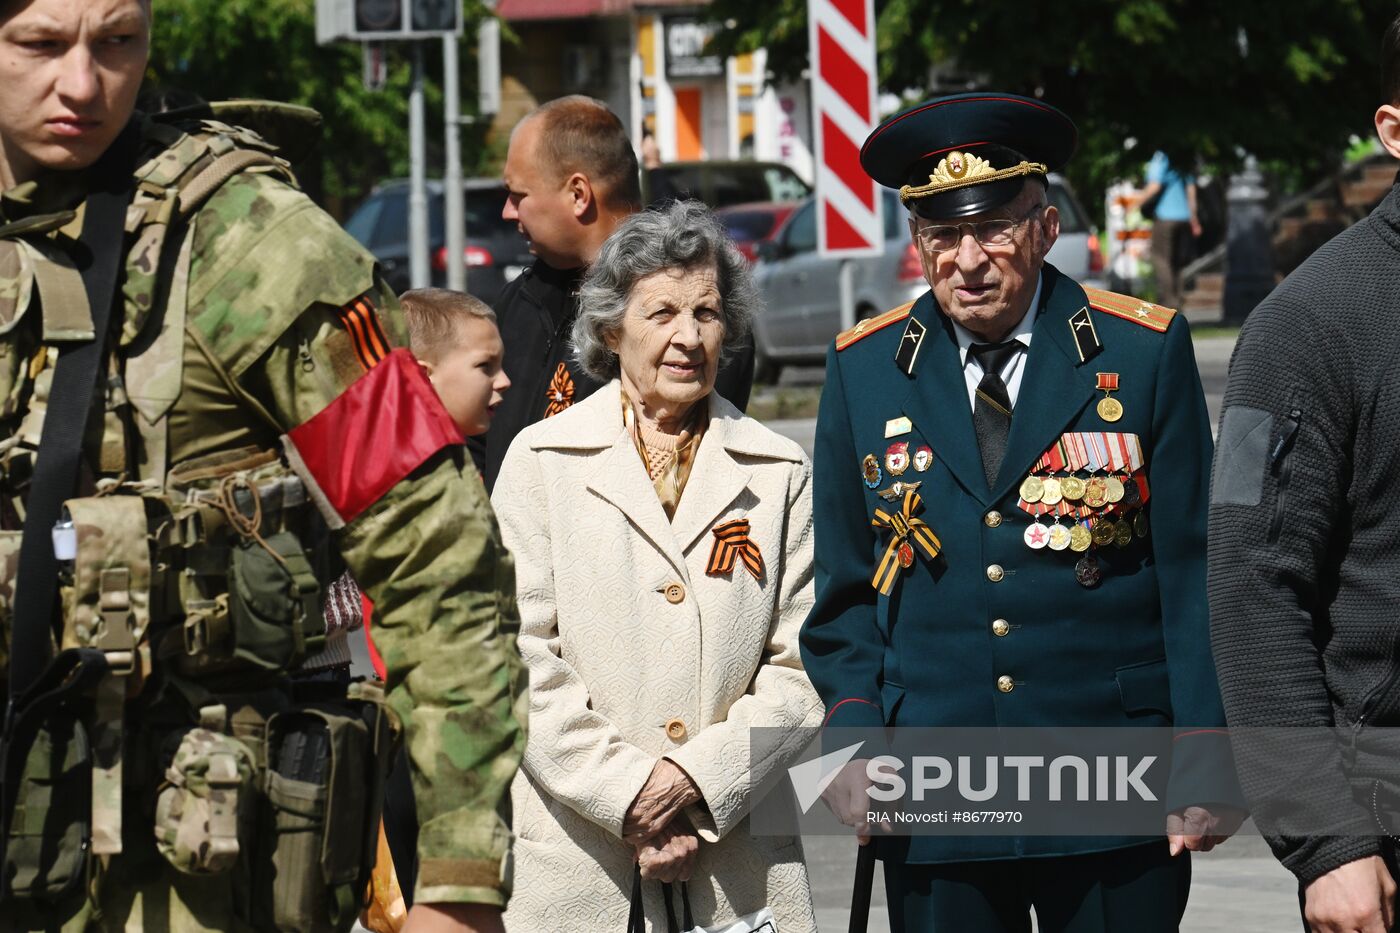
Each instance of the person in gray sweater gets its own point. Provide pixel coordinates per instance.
(1304, 547)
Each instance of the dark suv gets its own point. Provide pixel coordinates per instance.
(495, 250)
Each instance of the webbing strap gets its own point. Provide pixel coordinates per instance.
(70, 401)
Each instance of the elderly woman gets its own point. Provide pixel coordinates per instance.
(663, 556)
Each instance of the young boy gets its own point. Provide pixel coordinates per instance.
(456, 341)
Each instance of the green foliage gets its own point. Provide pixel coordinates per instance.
(224, 49)
(1287, 80)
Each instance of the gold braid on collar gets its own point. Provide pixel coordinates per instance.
(959, 170)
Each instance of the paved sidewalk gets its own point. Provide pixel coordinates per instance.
(1238, 888)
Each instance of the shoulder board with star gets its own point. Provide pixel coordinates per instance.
(870, 325)
(1153, 317)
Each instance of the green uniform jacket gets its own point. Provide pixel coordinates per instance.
(270, 342)
(991, 632)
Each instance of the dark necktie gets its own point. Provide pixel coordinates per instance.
(991, 412)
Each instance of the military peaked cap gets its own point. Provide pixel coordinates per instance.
(961, 155)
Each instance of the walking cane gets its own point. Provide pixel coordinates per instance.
(860, 892)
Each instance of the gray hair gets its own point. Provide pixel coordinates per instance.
(677, 235)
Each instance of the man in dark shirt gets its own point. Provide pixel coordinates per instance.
(1304, 571)
(572, 177)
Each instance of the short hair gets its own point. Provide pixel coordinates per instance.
(1390, 63)
(580, 134)
(435, 317)
(676, 235)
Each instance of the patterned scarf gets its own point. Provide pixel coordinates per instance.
(668, 458)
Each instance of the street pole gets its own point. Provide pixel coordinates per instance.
(847, 291)
(418, 178)
(454, 203)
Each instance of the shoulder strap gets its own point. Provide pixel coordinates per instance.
(70, 401)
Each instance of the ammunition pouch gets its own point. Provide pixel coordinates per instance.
(46, 767)
(201, 806)
(326, 767)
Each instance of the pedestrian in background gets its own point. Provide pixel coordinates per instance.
(663, 544)
(1304, 569)
(572, 178)
(1175, 225)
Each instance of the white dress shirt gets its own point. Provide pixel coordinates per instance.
(1015, 366)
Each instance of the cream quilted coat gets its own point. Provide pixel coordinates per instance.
(635, 654)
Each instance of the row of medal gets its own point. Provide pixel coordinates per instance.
(1098, 531)
(1098, 481)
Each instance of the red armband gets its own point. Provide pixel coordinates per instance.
(382, 428)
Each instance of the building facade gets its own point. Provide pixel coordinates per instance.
(648, 62)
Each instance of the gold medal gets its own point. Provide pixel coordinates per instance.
(906, 555)
(1072, 487)
(1103, 531)
(1079, 538)
(1096, 492)
(1051, 492)
(1140, 524)
(1110, 409)
(1123, 534)
(1059, 537)
(1114, 491)
(1032, 488)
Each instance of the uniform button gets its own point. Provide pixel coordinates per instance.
(995, 573)
(1005, 684)
(1001, 628)
(675, 730)
(674, 593)
(993, 519)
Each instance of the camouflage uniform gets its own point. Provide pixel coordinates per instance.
(285, 318)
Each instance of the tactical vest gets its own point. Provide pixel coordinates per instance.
(201, 584)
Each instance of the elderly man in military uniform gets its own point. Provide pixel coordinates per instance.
(250, 424)
(1040, 454)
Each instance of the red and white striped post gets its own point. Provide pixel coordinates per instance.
(841, 34)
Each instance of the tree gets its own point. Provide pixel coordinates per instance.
(224, 49)
(1289, 81)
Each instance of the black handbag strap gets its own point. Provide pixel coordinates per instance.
(70, 402)
(636, 918)
(860, 891)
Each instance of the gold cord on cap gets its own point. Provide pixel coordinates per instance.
(960, 170)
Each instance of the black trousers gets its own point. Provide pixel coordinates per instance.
(1140, 889)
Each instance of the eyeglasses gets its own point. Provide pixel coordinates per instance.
(996, 232)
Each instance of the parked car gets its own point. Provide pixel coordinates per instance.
(749, 225)
(802, 291)
(495, 251)
(722, 183)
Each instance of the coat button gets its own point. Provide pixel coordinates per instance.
(995, 573)
(992, 519)
(1005, 684)
(675, 730)
(675, 593)
(1001, 628)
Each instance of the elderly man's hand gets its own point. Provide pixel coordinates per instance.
(669, 856)
(1200, 829)
(848, 797)
(454, 918)
(667, 791)
(1358, 897)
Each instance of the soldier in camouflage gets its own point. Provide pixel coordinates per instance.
(254, 392)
